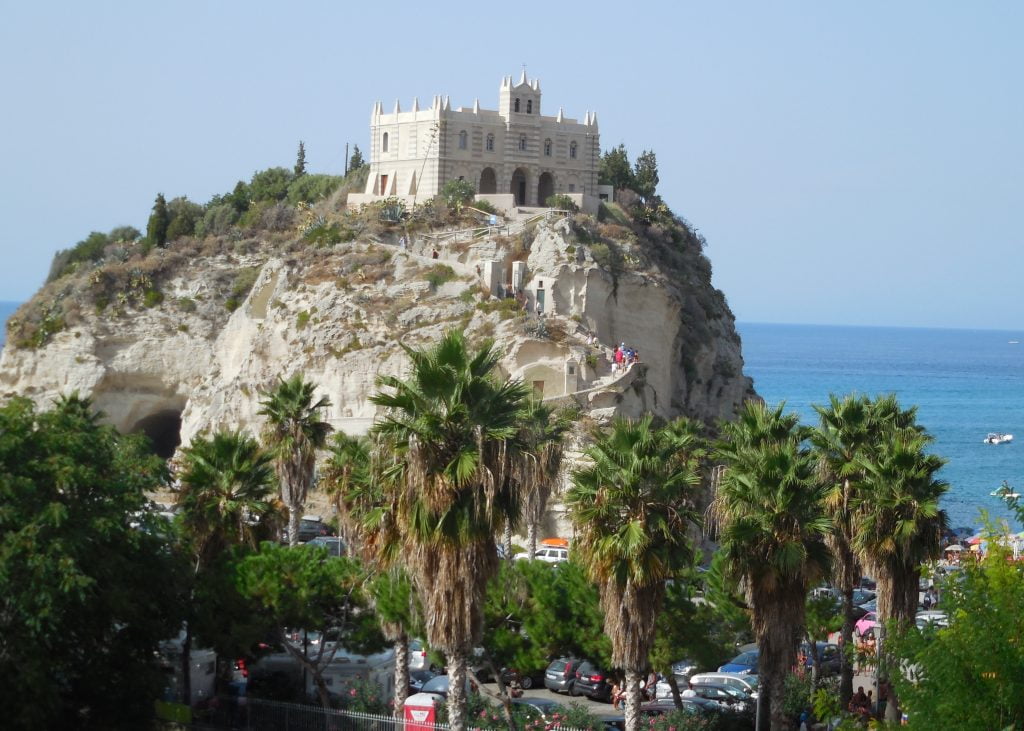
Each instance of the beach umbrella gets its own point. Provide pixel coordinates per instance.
(954, 547)
(974, 540)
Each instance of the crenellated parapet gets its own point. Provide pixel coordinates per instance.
(514, 149)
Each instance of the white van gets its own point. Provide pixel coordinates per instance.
(202, 674)
(346, 669)
(746, 683)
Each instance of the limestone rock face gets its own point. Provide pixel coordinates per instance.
(339, 315)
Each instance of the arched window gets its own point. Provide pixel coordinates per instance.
(463, 137)
(517, 105)
(490, 143)
(547, 148)
(529, 106)
(384, 143)
(522, 142)
(572, 150)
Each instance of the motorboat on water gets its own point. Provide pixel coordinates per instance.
(998, 438)
(1005, 491)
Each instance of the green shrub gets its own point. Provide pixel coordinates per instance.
(217, 220)
(270, 184)
(439, 274)
(302, 319)
(241, 286)
(152, 298)
(506, 308)
(485, 206)
(124, 234)
(562, 202)
(186, 304)
(90, 249)
(184, 214)
(311, 188)
(602, 255)
(457, 193)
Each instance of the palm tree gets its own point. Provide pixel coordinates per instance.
(345, 478)
(227, 485)
(850, 432)
(293, 433)
(900, 524)
(451, 429)
(772, 528)
(542, 434)
(632, 508)
(844, 432)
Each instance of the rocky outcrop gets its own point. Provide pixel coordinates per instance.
(339, 315)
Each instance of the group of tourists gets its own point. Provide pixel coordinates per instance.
(624, 357)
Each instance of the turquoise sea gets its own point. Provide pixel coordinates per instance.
(965, 384)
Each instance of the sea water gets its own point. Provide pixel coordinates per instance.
(965, 383)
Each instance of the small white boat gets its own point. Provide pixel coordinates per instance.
(998, 438)
(1005, 491)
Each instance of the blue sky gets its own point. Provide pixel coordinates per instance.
(858, 163)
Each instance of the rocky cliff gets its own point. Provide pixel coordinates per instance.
(182, 339)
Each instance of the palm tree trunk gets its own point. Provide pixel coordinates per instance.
(457, 690)
(632, 700)
(673, 685)
(186, 666)
(294, 517)
(531, 538)
(845, 666)
(507, 543)
(401, 675)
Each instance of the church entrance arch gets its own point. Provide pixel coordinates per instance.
(518, 187)
(488, 182)
(545, 188)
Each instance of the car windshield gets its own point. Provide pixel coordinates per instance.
(436, 684)
(745, 658)
(557, 666)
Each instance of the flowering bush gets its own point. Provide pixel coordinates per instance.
(362, 696)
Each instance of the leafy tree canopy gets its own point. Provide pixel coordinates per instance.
(615, 170)
(457, 193)
(87, 587)
(269, 184)
(971, 674)
(645, 175)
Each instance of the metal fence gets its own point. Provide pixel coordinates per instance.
(256, 714)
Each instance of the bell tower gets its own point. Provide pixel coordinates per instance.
(519, 102)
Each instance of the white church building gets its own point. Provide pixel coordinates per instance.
(514, 156)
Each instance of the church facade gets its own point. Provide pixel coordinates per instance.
(515, 152)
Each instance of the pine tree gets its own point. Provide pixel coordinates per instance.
(300, 160)
(645, 174)
(356, 161)
(615, 170)
(159, 219)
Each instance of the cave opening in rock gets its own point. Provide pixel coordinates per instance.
(164, 431)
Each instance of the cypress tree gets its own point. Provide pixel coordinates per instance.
(300, 160)
(159, 219)
(356, 161)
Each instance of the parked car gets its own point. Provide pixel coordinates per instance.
(548, 554)
(560, 675)
(828, 655)
(682, 670)
(310, 526)
(334, 545)
(931, 617)
(743, 664)
(693, 704)
(862, 595)
(592, 681)
(868, 621)
(866, 582)
(526, 678)
(870, 606)
(438, 685)
(417, 678)
(543, 708)
(746, 683)
(725, 695)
